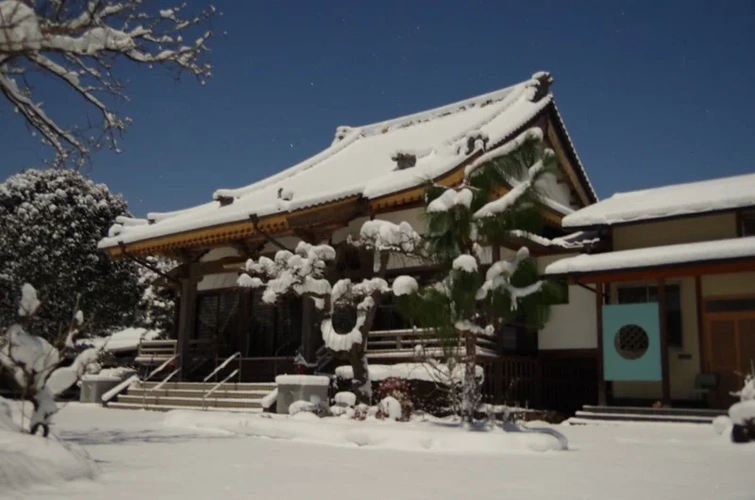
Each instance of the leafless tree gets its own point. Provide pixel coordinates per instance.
(79, 43)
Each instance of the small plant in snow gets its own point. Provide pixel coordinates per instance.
(38, 367)
(743, 413)
(400, 391)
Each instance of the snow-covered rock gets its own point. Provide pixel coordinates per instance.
(722, 424)
(390, 408)
(345, 398)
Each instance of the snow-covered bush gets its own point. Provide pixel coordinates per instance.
(742, 414)
(77, 44)
(38, 367)
(50, 223)
(303, 273)
(400, 391)
(389, 408)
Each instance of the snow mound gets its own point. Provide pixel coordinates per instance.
(391, 408)
(426, 436)
(721, 424)
(27, 460)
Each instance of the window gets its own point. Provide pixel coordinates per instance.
(747, 224)
(217, 318)
(645, 294)
(388, 317)
(730, 305)
(274, 330)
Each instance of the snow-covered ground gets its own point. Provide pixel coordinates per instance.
(153, 455)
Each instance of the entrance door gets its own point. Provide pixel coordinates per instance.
(730, 345)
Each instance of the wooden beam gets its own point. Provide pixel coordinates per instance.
(667, 272)
(599, 319)
(662, 310)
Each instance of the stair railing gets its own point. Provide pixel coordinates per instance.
(226, 362)
(126, 383)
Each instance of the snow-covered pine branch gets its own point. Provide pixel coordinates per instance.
(35, 365)
(498, 197)
(78, 43)
(303, 273)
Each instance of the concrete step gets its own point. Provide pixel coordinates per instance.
(581, 417)
(231, 386)
(165, 407)
(632, 410)
(221, 393)
(190, 402)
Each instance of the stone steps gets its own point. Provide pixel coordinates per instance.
(190, 395)
(129, 406)
(615, 414)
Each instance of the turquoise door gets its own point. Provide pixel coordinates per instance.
(632, 342)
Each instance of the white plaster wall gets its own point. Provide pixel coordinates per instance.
(217, 281)
(573, 325)
(555, 191)
(219, 253)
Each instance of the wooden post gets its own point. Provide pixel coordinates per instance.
(599, 312)
(187, 317)
(662, 307)
(700, 324)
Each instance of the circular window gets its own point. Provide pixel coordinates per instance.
(631, 342)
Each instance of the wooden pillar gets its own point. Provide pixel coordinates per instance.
(599, 294)
(309, 333)
(700, 324)
(187, 318)
(662, 307)
(245, 304)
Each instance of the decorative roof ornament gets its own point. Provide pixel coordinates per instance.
(341, 133)
(404, 160)
(542, 85)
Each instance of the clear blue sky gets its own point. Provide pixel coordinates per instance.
(651, 92)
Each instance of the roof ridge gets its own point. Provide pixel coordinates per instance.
(346, 135)
(440, 111)
(680, 184)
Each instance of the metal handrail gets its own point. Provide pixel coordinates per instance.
(158, 386)
(161, 367)
(126, 383)
(222, 365)
(209, 393)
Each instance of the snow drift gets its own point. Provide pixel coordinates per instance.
(421, 436)
(27, 460)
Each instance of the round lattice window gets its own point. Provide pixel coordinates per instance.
(631, 342)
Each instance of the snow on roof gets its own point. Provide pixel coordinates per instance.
(362, 162)
(686, 253)
(124, 340)
(667, 201)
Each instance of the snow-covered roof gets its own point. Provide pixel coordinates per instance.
(124, 340)
(363, 161)
(642, 258)
(667, 201)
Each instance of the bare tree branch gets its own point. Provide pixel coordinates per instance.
(77, 43)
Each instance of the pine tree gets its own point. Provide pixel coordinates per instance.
(50, 224)
(470, 299)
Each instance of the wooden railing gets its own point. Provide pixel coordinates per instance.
(412, 343)
(155, 352)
